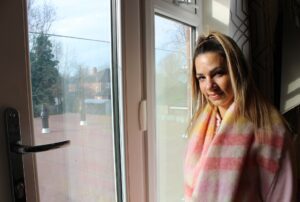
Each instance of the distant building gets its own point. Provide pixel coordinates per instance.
(96, 85)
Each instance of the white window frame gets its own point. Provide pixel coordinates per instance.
(151, 8)
(137, 39)
(131, 34)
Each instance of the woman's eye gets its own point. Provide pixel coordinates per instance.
(219, 74)
(200, 78)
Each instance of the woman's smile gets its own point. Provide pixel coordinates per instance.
(215, 96)
(214, 79)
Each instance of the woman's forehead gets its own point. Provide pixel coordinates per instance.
(207, 61)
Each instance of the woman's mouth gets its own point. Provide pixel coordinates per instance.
(215, 96)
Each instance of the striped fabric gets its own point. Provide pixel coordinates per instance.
(227, 164)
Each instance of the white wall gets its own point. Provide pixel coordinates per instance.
(216, 15)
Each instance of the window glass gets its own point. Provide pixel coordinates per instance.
(172, 62)
(70, 59)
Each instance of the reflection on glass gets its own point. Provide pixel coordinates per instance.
(172, 55)
(70, 50)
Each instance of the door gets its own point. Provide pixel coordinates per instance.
(58, 69)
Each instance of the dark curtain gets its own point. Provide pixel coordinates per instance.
(256, 27)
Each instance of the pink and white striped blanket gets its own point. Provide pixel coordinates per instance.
(229, 164)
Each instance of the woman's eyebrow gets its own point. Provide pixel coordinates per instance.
(198, 75)
(217, 69)
(213, 71)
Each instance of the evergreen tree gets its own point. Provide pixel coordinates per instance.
(44, 74)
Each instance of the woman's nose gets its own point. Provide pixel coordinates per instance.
(210, 84)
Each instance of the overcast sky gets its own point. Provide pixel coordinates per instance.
(82, 19)
(91, 20)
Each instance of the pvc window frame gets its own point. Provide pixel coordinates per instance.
(173, 12)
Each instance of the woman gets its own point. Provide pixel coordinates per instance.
(239, 144)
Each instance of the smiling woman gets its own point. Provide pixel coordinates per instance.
(239, 147)
(214, 80)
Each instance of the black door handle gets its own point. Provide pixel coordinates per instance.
(25, 149)
(16, 149)
(14, 137)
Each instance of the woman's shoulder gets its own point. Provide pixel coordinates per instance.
(278, 122)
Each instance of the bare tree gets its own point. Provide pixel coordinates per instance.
(40, 16)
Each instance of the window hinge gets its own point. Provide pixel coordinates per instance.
(143, 115)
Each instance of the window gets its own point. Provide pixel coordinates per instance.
(173, 104)
(168, 60)
(71, 75)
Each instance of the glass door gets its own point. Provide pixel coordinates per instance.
(173, 45)
(66, 93)
(70, 62)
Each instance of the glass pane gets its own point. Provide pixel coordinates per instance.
(70, 57)
(173, 56)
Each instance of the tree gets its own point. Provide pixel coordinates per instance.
(44, 74)
(172, 81)
(41, 15)
(46, 81)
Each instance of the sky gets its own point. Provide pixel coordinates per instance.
(169, 39)
(83, 19)
(89, 21)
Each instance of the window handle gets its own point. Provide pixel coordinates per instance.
(25, 149)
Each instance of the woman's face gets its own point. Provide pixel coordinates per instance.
(214, 79)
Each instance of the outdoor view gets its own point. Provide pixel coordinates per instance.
(172, 62)
(70, 59)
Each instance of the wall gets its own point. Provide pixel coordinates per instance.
(216, 15)
(290, 74)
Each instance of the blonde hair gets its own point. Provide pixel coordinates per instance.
(248, 100)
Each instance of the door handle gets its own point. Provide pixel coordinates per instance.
(15, 150)
(25, 149)
(13, 134)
